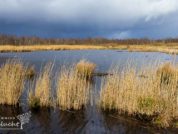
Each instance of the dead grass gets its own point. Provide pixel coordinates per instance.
(12, 78)
(12, 48)
(154, 98)
(165, 48)
(167, 73)
(72, 91)
(41, 94)
(171, 48)
(30, 73)
(85, 68)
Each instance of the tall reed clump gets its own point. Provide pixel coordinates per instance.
(72, 90)
(153, 98)
(85, 68)
(118, 91)
(12, 78)
(40, 95)
(167, 73)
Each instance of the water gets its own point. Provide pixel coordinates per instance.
(92, 120)
(103, 58)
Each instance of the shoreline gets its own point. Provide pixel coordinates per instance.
(165, 48)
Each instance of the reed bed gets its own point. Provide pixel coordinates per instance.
(72, 90)
(40, 47)
(41, 94)
(85, 68)
(153, 98)
(12, 79)
(170, 48)
(150, 94)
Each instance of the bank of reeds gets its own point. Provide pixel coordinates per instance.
(150, 94)
(153, 98)
(72, 90)
(85, 68)
(12, 78)
(40, 93)
(153, 47)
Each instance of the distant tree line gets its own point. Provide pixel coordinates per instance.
(24, 40)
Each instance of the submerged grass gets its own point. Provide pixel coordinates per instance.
(154, 98)
(72, 90)
(41, 94)
(12, 78)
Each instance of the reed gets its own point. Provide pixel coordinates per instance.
(152, 47)
(130, 94)
(85, 68)
(41, 94)
(72, 91)
(30, 73)
(12, 78)
(167, 72)
(41, 47)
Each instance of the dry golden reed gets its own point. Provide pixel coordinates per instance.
(30, 73)
(85, 68)
(12, 78)
(154, 47)
(41, 94)
(152, 96)
(72, 90)
(151, 93)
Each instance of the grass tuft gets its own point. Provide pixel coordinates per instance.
(41, 94)
(30, 73)
(12, 78)
(72, 91)
(167, 72)
(126, 92)
(85, 68)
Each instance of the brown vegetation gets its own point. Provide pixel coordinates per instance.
(30, 73)
(153, 98)
(85, 68)
(27, 44)
(41, 94)
(12, 78)
(165, 48)
(72, 91)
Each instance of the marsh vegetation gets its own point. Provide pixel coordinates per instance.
(40, 92)
(152, 98)
(12, 79)
(10, 43)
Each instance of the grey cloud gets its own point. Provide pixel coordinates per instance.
(116, 18)
(97, 11)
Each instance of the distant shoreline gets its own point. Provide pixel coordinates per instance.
(171, 48)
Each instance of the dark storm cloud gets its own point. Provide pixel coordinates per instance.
(89, 18)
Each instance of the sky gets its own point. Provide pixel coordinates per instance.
(118, 19)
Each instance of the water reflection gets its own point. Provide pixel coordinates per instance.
(72, 122)
(43, 118)
(125, 125)
(9, 111)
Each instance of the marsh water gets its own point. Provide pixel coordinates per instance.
(91, 120)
